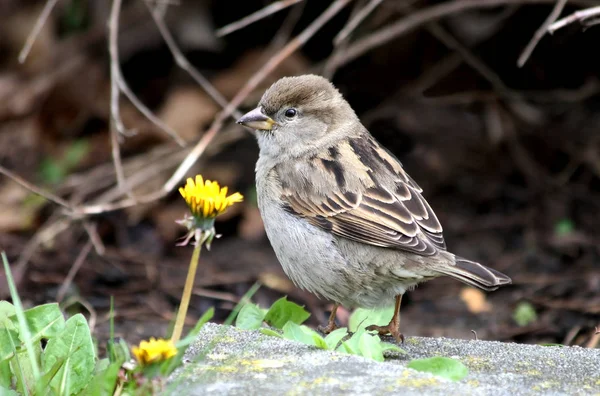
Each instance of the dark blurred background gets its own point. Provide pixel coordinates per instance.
(508, 157)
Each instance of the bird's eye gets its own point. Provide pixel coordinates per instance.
(291, 113)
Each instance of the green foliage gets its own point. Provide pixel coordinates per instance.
(54, 170)
(74, 350)
(445, 367)
(524, 314)
(251, 316)
(68, 365)
(288, 317)
(564, 227)
(283, 311)
(362, 317)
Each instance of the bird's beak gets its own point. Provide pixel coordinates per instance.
(256, 119)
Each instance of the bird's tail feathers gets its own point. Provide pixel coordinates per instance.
(475, 274)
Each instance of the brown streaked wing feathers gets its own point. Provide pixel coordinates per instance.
(378, 216)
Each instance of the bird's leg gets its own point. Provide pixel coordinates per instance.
(331, 326)
(393, 327)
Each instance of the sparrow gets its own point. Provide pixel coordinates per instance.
(346, 222)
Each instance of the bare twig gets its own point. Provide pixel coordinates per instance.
(355, 21)
(477, 64)
(285, 31)
(146, 111)
(39, 24)
(420, 17)
(255, 16)
(594, 339)
(252, 83)
(116, 126)
(340, 46)
(84, 303)
(200, 147)
(587, 18)
(95, 239)
(541, 31)
(444, 67)
(48, 195)
(118, 83)
(73, 271)
(183, 62)
(53, 226)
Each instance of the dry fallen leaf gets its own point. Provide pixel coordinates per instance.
(276, 282)
(188, 110)
(475, 300)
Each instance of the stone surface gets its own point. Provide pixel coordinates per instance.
(228, 361)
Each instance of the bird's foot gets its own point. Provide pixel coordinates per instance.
(331, 326)
(391, 328)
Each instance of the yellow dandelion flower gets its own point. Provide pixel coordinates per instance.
(206, 199)
(154, 351)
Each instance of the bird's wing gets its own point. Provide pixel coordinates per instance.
(395, 217)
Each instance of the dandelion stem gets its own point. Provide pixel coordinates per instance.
(187, 293)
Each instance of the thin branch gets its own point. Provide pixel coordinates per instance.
(255, 16)
(48, 195)
(285, 31)
(339, 47)
(146, 111)
(54, 225)
(587, 18)
(477, 64)
(92, 230)
(200, 147)
(118, 83)
(541, 31)
(184, 63)
(420, 17)
(354, 22)
(116, 127)
(252, 83)
(39, 24)
(73, 271)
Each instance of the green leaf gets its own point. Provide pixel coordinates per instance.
(24, 333)
(5, 374)
(369, 346)
(351, 345)
(524, 314)
(387, 346)
(52, 171)
(305, 335)
(250, 317)
(43, 321)
(441, 366)
(564, 227)
(76, 152)
(283, 311)
(74, 345)
(120, 352)
(50, 374)
(6, 309)
(23, 368)
(318, 341)
(5, 391)
(335, 337)
(104, 381)
(271, 332)
(362, 317)
(7, 333)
